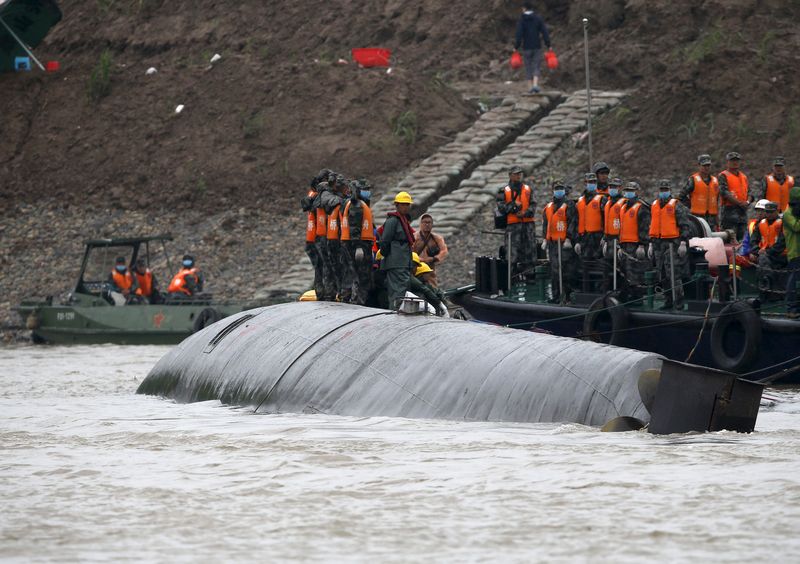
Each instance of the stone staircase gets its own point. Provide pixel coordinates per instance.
(464, 175)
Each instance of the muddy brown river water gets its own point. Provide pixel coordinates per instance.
(89, 471)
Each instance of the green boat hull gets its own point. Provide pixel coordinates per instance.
(126, 325)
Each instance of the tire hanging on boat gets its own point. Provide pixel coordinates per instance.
(205, 318)
(735, 314)
(618, 315)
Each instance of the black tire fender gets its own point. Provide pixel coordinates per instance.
(205, 318)
(619, 316)
(742, 314)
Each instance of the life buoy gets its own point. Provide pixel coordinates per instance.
(205, 318)
(602, 309)
(736, 337)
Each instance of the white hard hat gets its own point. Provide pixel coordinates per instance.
(762, 204)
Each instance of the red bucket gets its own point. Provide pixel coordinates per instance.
(516, 60)
(372, 57)
(52, 66)
(551, 60)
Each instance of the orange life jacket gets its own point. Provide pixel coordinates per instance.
(779, 193)
(311, 221)
(590, 216)
(629, 228)
(612, 222)
(769, 232)
(123, 281)
(344, 224)
(178, 283)
(523, 200)
(321, 222)
(145, 283)
(705, 196)
(556, 222)
(664, 224)
(737, 184)
(333, 224)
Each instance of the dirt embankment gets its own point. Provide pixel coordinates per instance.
(225, 175)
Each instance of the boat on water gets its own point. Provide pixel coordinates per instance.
(92, 314)
(726, 322)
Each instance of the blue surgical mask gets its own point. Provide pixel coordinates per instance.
(613, 192)
(664, 195)
(121, 268)
(187, 263)
(558, 194)
(629, 195)
(591, 187)
(366, 195)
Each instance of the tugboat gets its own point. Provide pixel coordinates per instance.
(91, 315)
(727, 323)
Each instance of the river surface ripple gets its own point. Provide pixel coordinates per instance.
(89, 471)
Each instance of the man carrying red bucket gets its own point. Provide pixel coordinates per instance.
(529, 29)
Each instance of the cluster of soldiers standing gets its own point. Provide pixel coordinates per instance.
(609, 229)
(358, 262)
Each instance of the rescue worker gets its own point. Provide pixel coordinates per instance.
(759, 213)
(358, 236)
(634, 236)
(611, 228)
(776, 186)
(307, 204)
(517, 203)
(670, 231)
(701, 193)
(121, 280)
(417, 285)
(560, 229)
(147, 285)
(590, 226)
(769, 247)
(188, 281)
(396, 241)
(791, 234)
(601, 170)
(321, 239)
(331, 201)
(430, 246)
(733, 190)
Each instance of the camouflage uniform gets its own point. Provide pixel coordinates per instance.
(569, 260)
(633, 267)
(332, 260)
(523, 235)
(361, 269)
(661, 250)
(731, 217)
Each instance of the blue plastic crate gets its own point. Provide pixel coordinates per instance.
(22, 63)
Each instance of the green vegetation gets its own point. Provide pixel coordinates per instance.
(690, 127)
(404, 126)
(99, 85)
(793, 122)
(622, 113)
(253, 125)
(439, 81)
(708, 44)
(765, 45)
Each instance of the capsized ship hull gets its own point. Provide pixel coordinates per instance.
(349, 360)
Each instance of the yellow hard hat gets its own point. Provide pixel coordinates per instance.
(422, 269)
(310, 296)
(403, 198)
(415, 257)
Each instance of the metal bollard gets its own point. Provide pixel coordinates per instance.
(650, 284)
(541, 274)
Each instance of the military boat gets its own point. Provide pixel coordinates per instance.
(726, 323)
(90, 313)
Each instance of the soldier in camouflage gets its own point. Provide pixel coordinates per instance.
(634, 238)
(670, 231)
